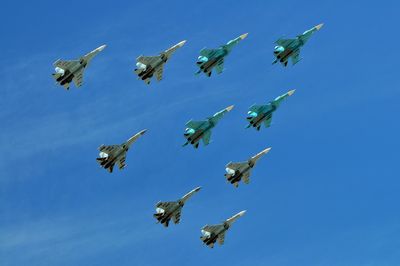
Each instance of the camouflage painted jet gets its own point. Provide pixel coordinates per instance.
(214, 58)
(197, 130)
(214, 233)
(68, 71)
(147, 66)
(290, 48)
(242, 170)
(112, 154)
(166, 211)
(258, 114)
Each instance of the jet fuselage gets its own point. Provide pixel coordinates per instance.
(68, 74)
(256, 121)
(237, 176)
(198, 134)
(113, 156)
(288, 52)
(207, 66)
(148, 72)
(165, 217)
(213, 237)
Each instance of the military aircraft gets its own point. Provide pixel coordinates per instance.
(68, 71)
(214, 58)
(147, 66)
(214, 233)
(112, 154)
(290, 48)
(258, 114)
(166, 211)
(197, 130)
(242, 170)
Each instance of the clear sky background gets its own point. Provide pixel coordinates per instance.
(326, 194)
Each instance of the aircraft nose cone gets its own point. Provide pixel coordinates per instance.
(243, 36)
(182, 43)
(290, 93)
(242, 213)
(319, 26)
(229, 108)
(266, 150)
(101, 48)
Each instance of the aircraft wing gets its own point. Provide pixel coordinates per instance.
(256, 108)
(212, 228)
(147, 60)
(207, 137)
(207, 52)
(285, 42)
(246, 178)
(221, 238)
(234, 166)
(65, 64)
(220, 66)
(296, 57)
(110, 169)
(159, 72)
(267, 122)
(121, 162)
(177, 216)
(165, 205)
(78, 78)
(195, 124)
(108, 149)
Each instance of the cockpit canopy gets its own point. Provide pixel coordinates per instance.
(202, 59)
(278, 49)
(230, 171)
(103, 155)
(59, 70)
(205, 233)
(252, 114)
(189, 131)
(160, 210)
(141, 65)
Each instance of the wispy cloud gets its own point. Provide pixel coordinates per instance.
(67, 239)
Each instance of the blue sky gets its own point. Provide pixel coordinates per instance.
(326, 194)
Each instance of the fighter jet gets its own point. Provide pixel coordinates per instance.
(242, 170)
(290, 48)
(68, 71)
(214, 58)
(166, 211)
(147, 66)
(214, 233)
(112, 154)
(258, 114)
(197, 130)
